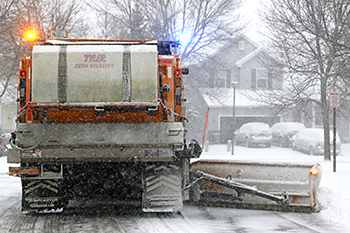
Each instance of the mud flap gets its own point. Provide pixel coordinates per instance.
(42, 194)
(162, 191)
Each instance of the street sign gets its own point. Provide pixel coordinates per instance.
(334, 98)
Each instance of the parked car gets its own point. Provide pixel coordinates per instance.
(254, 133)
(311, 141)
(3, 143)
(282, 132)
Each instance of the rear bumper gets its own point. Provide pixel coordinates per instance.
(98, 142)
(96, 154)
(261, 140)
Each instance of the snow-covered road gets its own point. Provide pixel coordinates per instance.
(104, 216)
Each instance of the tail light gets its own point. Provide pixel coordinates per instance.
(177, 72)
(178, 86)
(22, 87)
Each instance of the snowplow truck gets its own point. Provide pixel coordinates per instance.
(107, 118)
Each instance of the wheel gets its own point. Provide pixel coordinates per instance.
(280, 142)
(248, 143)
(312, 150)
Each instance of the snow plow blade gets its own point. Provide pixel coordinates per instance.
(253, 185)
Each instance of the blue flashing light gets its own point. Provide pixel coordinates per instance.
(184, 38)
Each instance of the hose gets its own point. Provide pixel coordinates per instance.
(33, 147)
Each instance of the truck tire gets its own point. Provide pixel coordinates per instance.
(248, 143)
(281, 142)
(312, 151)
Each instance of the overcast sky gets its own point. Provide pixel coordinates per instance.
(250, 10)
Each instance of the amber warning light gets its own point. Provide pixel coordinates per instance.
(314, 172)
(31, 35)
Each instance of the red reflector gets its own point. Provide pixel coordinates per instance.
(22, 171)
(177, 72)
(23, 73)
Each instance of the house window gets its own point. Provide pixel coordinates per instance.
(241, 45)
(260, 79)
(220, 78)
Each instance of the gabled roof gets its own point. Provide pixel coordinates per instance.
(234, 40)
(248, 57)
(224, 97)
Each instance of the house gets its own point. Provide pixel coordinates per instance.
(209, 85)
(8, 115)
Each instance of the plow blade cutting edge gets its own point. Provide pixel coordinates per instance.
(254, 185)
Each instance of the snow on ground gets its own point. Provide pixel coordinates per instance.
(333, 193)
(334, 190)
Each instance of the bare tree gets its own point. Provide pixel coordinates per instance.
(66, 15)
(307, 36)
(16, 17)
(207, 23)
(7, 65)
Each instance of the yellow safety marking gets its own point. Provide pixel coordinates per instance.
(33, 188)
(50, 188)
(174, 166)
(162, 168)
(162, 183)
(51, 183)
(150, 167)
(175, 182)
(31, 183)
(150, 177)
